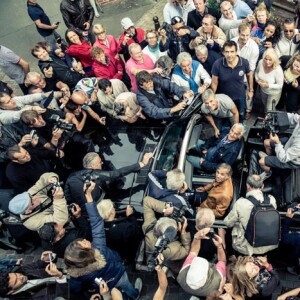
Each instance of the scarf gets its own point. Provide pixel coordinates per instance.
(192, 84)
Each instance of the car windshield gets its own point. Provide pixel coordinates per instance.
(170, 148)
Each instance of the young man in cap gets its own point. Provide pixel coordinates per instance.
(130, 35)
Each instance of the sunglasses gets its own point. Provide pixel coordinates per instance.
(289, 30)
(101, 32)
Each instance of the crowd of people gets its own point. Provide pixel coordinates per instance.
(235, 56)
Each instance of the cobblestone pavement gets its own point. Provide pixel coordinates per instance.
(128, 8)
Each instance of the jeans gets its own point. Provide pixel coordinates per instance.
(51, 39)
(241, 106)
(127, 288)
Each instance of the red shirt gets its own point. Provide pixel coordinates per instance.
(113, 70)
(82, 52)
(112, 49)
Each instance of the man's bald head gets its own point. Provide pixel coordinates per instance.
(80, 97)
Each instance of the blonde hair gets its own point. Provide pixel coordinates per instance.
(98, 28)
(105, 208)
(295, 57)
(262, 7)
(243, 285)
(273, 55)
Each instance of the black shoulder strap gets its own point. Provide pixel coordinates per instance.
(46, 204)
(266, 199)
(253, 200)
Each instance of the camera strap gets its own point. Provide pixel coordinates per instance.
(43, 206)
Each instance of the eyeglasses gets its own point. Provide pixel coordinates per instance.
(176, 20)
(101, 32)
(151, 37)
(291, 30)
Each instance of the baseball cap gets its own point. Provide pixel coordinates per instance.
(197, 273)
(126, 23)
(18, 204)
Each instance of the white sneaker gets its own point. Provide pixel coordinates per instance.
(138, 285)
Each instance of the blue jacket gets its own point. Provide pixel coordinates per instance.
(176, 45)
(157, 191)
(289, 237)
(158, 106)
(221, 153)
(84, 279)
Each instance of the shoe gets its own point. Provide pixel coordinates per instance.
(140, 267)
(292, 271)
(97, 15)
(262, 154)
(265, 175)
(247, 115)
(138, 285)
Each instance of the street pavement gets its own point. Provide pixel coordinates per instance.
(18, 33)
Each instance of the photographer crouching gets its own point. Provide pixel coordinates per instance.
(164, 235)
(287, 151)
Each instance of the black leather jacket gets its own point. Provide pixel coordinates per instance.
(76, 13)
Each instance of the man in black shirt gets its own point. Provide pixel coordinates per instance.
(196, 16)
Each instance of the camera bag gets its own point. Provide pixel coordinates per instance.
(263, 227)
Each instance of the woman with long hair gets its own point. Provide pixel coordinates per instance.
(269, 78)
(86, 261)
(291, 86)
(252, 276)
(80, 49)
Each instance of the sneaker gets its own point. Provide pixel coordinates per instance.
(265, 175)
(262, 154)
(138, 285)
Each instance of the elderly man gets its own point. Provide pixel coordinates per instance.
(228, 77)
(225, 151)
(288, 41)
(153, 96)
(36, 208)
(239, 215)
(178, 40)
(217, 195)
(205, 57)
(209, 34)
(220, 111)
(92, 164)
(175, 190)
(78, 14)
(241, 9)
(247, 49)
(196, 16)
(137, 63)
(229, 22)
(287, 152)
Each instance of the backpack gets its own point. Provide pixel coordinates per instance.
(263, 228)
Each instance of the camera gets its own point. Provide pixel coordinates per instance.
(293, 208)
(98, 280)
(130, 35)
(161, 244)
(70, 207)
(178, 213)
(276, 122)
(211, 235)
(32, 133)
(55, 185)
(167, 27)
(87, 178)
(59, 123)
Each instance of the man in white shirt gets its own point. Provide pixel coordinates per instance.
(248, 49)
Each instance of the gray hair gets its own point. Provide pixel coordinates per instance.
(225, 166)
(133, 46)
(207, 93)
(183, 56)
(162, 224)
(89, 159)
(205, 218)
(201, 49)
(105, 208)
(175, 179)
(255, 181)
(30, 76)
(239, 126)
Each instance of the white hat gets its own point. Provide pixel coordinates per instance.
(126, 23)
(197, 273)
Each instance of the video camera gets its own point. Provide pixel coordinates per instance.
(276, 122)
(161, 244)
(59, 123)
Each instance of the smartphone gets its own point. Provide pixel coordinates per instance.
(58, 40)
(47, 66)
(32, 133)
(57, 23)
